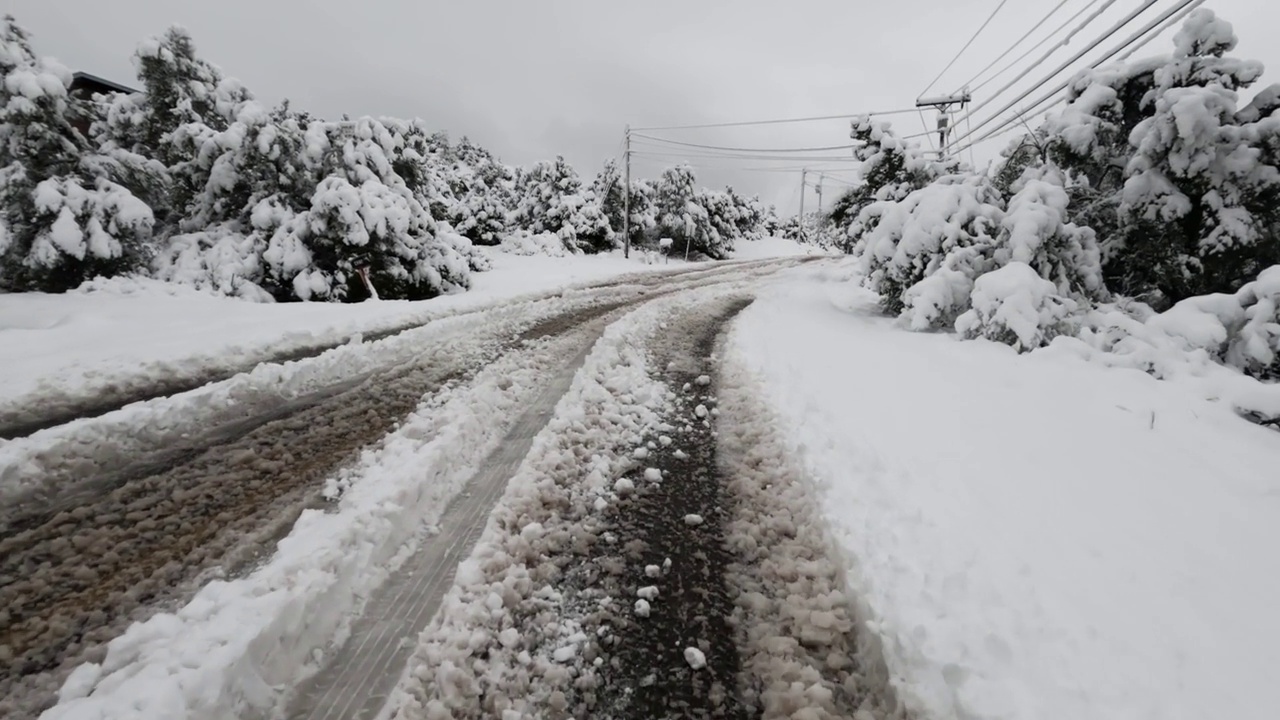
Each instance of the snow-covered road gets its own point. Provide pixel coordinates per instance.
(195, 506)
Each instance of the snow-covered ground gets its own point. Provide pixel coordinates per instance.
(131, 332)
(237, 644)
(1033, 537)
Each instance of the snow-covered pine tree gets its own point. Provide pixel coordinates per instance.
(63, 218)
(890, 169)
(1199, 196)
(482, 186)
(549, 195)
(1181, 188)
(365, 214)
(682, 217)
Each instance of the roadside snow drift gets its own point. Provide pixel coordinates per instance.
(123, 333)
(1031, 537)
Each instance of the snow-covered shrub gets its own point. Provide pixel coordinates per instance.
(936, 301)
(218, 260)
(1036, 230)
(522, 242)
(1014, 305)
(63, 218)
(1241, 330)
(912, 238)
(1255, 348)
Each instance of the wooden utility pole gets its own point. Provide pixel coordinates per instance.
(803, 173)
(626, 196)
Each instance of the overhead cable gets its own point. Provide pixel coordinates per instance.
(1058, 70)
(1016, 43)
(966, 46)
(738, 149)
(1163, 21)
(778, 121)
(1045, 39)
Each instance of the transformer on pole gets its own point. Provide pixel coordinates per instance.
(944, 103)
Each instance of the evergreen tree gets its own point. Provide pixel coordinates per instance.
(63, 218)
(681, 215)
(1180, 187)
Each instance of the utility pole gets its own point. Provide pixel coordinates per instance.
(803, 173)
(818, 189)
(626, 196)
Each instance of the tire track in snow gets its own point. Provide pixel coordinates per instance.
(355, 683)
(26, 417)
(536, 613)
(798, 628)
(544, 620)
(71, 580)
(74, 574)
(676, 526)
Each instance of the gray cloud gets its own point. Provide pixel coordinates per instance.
(531, 80)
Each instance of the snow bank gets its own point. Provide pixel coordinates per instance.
(135, 332)
(1032, 537)
(231, 649)
(772, 247)
(527, 243)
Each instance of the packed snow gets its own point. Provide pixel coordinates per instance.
(1038, 536)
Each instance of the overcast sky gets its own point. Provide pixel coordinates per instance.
(532, 79)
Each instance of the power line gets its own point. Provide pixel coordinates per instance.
(1112, 31)
(792, 158)
(1164, 21)
(737, 149)
(966, 46)
(1046, 39)
(1004, 54)
(1168, 24)
(778, 121)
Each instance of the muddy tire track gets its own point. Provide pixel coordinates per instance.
(676, 526)
(72, 578)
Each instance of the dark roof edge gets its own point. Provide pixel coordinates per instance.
(103, 81)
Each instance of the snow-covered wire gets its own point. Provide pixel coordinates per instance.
(1067, 63)
(739, 149)
(1157, 24)
(1016, 43)
(709, 156)
(1168, 24)
(1045, 39)
(1111, 31)
(776, 121)
(966, 46)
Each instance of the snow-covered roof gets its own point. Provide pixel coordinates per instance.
(98, 84)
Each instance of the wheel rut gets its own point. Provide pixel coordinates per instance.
(676, 526)
(123, 546)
